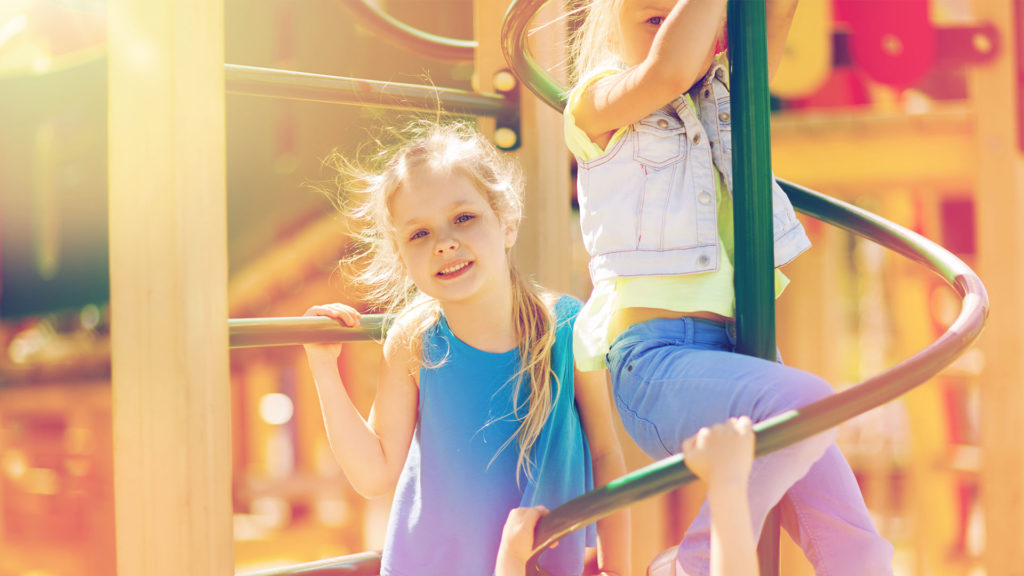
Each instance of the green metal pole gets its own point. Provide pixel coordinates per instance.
(752, 207)
(752, 171)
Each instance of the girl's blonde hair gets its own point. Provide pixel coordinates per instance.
(594, 43)
(365, 198)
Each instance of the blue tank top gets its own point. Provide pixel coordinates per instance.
(456, 488)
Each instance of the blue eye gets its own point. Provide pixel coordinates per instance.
(418, 234)
(655, 20)
(463, 218)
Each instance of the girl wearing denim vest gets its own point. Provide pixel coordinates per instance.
(479, 408)
(649, 122)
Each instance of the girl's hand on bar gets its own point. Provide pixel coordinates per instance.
(346, 315)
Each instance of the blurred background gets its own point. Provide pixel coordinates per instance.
(875, 104)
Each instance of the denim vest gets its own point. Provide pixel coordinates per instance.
(648, 204)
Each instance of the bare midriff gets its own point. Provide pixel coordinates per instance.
(626, 317)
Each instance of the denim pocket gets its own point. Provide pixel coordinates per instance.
(660, 140)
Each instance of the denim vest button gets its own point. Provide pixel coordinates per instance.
(724, 117)
(696, 138)
(704, 197)
(662, 123)
(703, 260)
(707, 93)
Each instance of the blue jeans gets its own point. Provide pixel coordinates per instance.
(670, 377)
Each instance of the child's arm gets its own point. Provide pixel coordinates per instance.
(779, 19)
(370, 453)
(517, 540)
(608, 464)
(678, 57)
(722, 456)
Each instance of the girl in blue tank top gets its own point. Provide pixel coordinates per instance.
(479, 408)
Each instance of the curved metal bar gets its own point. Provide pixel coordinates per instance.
(410, 39)
(795, 425)
(790, 427)
(252, 332)
(293, 85)
(517, 53)
(363, 564)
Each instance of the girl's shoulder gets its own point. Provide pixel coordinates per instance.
(403, 343)
(398, 355)
(564, 308)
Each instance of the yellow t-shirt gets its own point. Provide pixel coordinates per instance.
(703, 292)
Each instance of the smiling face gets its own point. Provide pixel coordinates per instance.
(453, 245)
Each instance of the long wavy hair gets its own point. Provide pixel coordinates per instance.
(364, 196)
(594, 43)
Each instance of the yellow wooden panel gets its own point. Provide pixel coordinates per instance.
(858, 152)
(1000, 211)
(807, 61)
(168, 268)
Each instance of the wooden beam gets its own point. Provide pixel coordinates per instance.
(541, 250)
(833, 153)
(1000, 212)
(168, 268)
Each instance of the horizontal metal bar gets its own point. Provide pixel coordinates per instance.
(289, 331)
(408, 38)
(288, 84)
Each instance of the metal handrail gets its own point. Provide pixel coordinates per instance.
(288, 84)
(517, 53)
(408, 38)
(289, 331)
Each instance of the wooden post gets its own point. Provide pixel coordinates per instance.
(168, 268)
(1000, 210)
(542, 249)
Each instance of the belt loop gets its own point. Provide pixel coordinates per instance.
(730, 333)
(687, 330)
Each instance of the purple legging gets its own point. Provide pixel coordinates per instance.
(671, 377)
